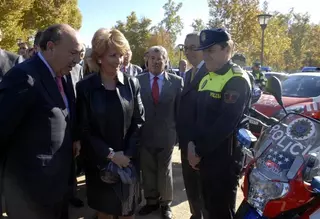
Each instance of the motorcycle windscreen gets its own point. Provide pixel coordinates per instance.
(281, 150)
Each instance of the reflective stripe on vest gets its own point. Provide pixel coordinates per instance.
(215, 83)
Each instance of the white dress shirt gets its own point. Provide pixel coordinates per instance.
(160, 80)
(199, 66)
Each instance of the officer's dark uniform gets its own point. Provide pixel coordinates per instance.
(258, 75)
(222, 98)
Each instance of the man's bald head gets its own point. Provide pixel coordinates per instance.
(61, 47)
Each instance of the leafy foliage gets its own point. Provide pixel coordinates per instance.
(290, 39)
(22, 18)
(198, 25)
(172, 22)
(137, 33)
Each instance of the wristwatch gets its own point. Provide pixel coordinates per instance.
(111, 154)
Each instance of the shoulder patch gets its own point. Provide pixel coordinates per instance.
(231, 96)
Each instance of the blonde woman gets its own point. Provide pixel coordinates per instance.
(110, 114)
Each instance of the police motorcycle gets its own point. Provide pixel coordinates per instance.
(282, 179)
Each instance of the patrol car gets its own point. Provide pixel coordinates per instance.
(301, 94)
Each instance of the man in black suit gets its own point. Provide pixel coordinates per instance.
(182, 68)
(129, 68)
(37, 111)
(7, 60)
(185, 123)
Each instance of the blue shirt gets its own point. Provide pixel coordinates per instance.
(65, 99)
(160, 80)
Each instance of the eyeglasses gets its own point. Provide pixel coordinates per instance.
(191, 48)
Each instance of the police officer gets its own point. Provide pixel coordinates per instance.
(260, 79)
(223, 95)
(241, 60)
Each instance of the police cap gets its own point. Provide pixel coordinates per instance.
(211, 37)
(257, 64)
(239, 56)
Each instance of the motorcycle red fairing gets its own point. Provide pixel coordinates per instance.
(287, 157)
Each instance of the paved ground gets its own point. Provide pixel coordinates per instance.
(180, 205)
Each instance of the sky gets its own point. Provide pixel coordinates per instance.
(105, 13)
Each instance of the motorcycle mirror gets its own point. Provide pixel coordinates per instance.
(274, 87)
(245, 137)
(315, 184)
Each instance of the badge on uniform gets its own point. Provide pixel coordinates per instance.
(231, 96)
(204, 84)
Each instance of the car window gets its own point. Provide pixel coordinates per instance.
(281, 77)
(301, 86)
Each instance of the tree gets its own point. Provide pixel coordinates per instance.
(198, 25)
(239, 17)
(172, 22)
(277, 42)
(45, 13)
(11, 12)
(311, 56)
(22, 18)
(161, 37)
(298, 28)
(137, 33)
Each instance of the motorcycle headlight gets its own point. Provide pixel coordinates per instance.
(291, 109)
(262, 190)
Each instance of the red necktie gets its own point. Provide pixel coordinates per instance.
(155, 90)
(60, 87)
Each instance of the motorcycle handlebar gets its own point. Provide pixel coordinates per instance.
(264, 119)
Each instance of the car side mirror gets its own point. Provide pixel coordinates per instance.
(315, 184)
(274, 87)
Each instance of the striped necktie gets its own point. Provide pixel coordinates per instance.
(193, 73)
(61, 90)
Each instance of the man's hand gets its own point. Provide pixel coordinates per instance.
(76, 148)
(193, 158)
(120, 159)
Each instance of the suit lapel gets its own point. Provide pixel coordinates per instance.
(69, 91)
(201, 73)
(187, 78)
(50, 84)
(146, 85)
(165, 86)
(131, 70)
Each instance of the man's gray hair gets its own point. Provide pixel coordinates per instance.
(197, 34)
(53, 33)
(160, 49)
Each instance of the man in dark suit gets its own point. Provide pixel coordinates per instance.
(129, 68)
(182, 68)
(37, 114)
(160, 93)
(186, 120)
(7, 60)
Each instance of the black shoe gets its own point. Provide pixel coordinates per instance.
(76, 202)
(166, 212)
(148, 209)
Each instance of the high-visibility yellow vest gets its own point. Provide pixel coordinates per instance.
(214, 83)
